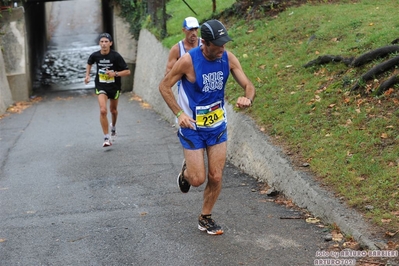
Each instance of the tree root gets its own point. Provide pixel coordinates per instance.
(388, 84)
(377, 53)
(364, 59)
(378, 69)
(325, 59)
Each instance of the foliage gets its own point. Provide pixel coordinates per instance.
(135, 13)
(6, 2)
(176, 11)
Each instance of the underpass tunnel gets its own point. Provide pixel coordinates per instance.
(61, 25)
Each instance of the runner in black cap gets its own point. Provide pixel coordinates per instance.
(201, 114)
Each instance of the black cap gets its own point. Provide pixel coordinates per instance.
(105, 35)
(215, 32)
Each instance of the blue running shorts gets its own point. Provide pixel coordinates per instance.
(200, 139)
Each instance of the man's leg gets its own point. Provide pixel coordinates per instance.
(102, 101)
(113, 106)
(195, 171)
(216, 162)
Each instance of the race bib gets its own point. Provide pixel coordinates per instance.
(104, 78)
(210, 115)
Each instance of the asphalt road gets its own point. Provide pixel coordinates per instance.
(66, 200)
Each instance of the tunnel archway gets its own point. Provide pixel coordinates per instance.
(40, 33)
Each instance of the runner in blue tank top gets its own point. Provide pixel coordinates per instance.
(201, 113)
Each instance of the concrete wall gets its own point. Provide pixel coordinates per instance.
(5, 92)
(14, 45)
(150, 69)
(126, 45)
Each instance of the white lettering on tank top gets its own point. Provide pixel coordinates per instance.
(212, 81)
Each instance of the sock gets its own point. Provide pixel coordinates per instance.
(106, 136)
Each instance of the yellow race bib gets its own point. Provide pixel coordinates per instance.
(104, 78)
(210, 115)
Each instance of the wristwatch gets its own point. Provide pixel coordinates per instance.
(116, 73)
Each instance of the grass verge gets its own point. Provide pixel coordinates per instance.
(349, 138)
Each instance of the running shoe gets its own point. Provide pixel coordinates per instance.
(113, 133)
(181, 182)
(107, 142)
(206, 223)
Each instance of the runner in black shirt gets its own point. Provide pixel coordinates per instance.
(110, 68)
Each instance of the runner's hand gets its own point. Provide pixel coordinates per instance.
(185, 121)
(243, 102)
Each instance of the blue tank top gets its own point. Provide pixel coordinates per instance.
(204, 99)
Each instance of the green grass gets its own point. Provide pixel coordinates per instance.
(350, 139)
(177, 11)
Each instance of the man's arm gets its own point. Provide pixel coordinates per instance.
(88, 69)
(124, 73)
(173, 57)
(239, 75)
(183, 67)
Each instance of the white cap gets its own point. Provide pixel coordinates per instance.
(190, 23)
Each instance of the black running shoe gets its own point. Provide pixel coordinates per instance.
(181, 182)
(206, 223)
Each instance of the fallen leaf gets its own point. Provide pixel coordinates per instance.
(384, 135)
(385, 221)
(391, 234)
(145, 105)
(389, 92)
(351, 245)
(312, 220)
(396, 213)
(337, 236)
(2, 240)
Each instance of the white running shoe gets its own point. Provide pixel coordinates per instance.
(107, 142)
(113, 133)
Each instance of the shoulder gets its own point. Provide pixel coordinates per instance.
(233, 61)
(96, 53)
(184, 63)
(115, 53)
(195, 51)
(175, 48)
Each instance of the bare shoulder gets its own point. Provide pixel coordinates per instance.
(185, 61)
(174, 50)
(233, 61)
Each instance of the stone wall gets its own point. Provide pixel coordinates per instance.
(14, 47)
(126, 45)
(5, 92)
